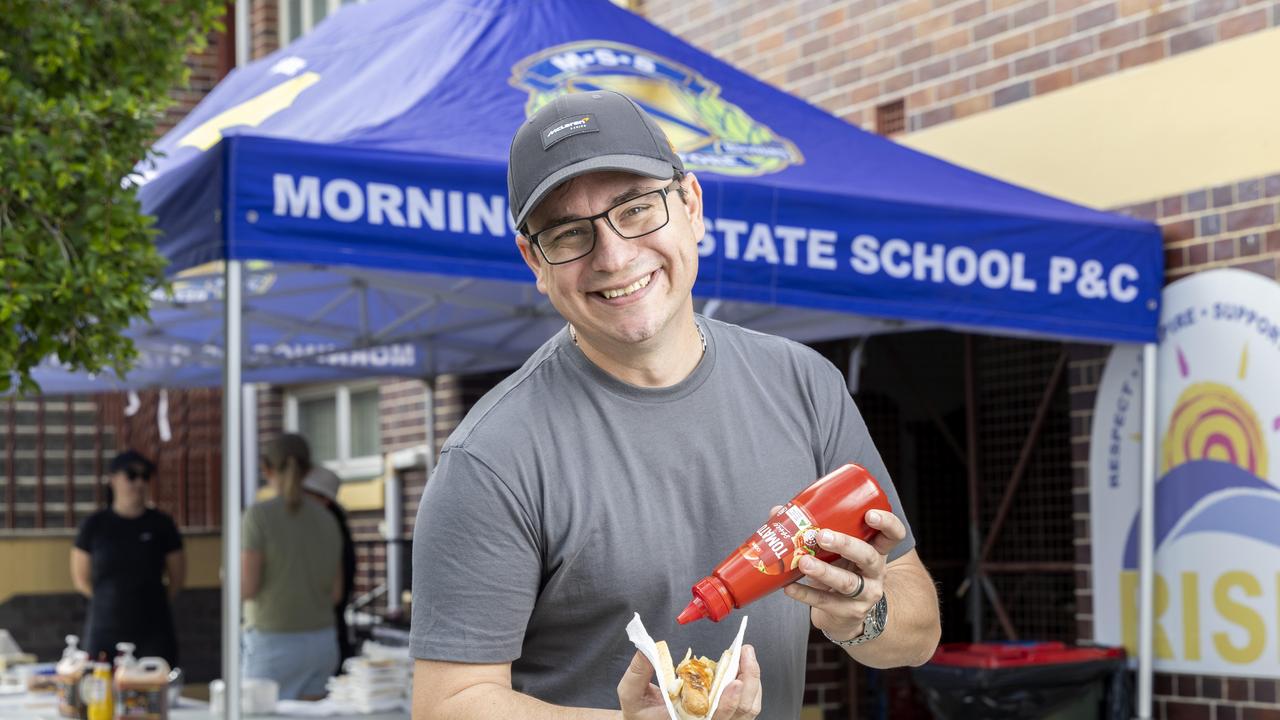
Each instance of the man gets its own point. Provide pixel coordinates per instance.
(628, 456)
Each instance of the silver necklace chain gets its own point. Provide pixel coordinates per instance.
(573, 335)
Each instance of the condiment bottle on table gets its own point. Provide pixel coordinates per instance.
(69, 671)
(95, 690)
(142, 686)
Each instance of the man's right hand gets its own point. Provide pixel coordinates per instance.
(642, 700)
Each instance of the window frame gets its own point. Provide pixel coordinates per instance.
(347, 467)
(307, 22)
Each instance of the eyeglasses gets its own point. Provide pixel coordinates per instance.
(136, 475)
(567, 241)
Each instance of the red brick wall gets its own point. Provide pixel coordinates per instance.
(1084, 372)
(207, 68)
(947, 58)
(449, 407)
(270, 412)
(188, 482)
(264, 28)
(826, 674)
(1234, 225)
(454, 395)
(403, 414)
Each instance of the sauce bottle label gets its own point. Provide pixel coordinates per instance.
(777, 546)
(140, 703)
(69, 704)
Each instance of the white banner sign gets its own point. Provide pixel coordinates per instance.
(1217, 521)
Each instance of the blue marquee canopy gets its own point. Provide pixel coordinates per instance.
(361, 170)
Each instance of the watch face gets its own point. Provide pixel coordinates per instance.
(872, 625)
(875, 619)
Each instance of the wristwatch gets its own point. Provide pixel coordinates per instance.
(872, 625)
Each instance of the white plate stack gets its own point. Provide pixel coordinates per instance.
(379, 680)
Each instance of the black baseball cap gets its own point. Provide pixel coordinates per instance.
(580, 133)
(132, 461)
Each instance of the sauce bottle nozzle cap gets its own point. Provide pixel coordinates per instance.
(696, 610)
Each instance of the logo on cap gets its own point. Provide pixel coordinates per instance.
(709, 133)
(563, 128)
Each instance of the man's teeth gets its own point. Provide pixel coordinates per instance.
(620, 292)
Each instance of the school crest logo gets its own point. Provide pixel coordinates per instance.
(203, 283)
(1217, 495)
(708, 132)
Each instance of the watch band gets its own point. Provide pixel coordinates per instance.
(872, 625)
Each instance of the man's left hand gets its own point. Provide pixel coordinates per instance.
(829, 588)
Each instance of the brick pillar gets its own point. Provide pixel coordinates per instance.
(402, 414)
(450, 407)
(1084, 372)
(264, 28)
(207, 69)
(270, 412)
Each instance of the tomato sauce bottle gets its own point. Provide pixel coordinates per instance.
(770, 558)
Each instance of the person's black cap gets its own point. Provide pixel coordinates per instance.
(132, 460)
(579, 133)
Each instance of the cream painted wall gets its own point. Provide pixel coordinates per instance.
(204, 560)
(42, 565)
(1205, 118)
(355, 495)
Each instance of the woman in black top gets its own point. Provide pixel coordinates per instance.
(122, 557)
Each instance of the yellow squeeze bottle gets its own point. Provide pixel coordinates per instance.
(97, 692)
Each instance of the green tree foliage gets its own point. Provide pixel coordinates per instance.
(82, 85)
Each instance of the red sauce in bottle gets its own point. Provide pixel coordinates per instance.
(770, 558)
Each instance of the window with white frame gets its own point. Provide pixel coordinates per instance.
(341, 424)
(299, 17)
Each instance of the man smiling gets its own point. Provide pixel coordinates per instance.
(628, 456)
(630, 303)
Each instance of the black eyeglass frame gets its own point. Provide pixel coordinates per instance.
(665, 192)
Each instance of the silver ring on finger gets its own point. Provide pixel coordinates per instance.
(862, 582)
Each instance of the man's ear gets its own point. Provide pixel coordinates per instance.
(533, 259)
(693, 205)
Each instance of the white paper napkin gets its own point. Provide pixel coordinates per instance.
(640, 637)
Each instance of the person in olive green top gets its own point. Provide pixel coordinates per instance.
(291, 559)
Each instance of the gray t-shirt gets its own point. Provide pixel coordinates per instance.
(568, 500)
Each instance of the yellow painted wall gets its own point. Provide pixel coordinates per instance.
(42, 565)
(354, 495)
(363, 495)
(204, 560)
(1205, 118)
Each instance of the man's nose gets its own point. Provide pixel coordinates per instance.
(613, 252)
